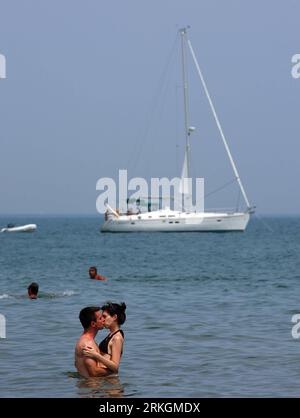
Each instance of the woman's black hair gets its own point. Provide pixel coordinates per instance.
(116, 309)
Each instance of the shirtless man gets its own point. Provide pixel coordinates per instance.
(92, 322)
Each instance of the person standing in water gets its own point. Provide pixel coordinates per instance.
(111, 348)
(33, 289)
(91, 320)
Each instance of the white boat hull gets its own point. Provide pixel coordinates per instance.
(23, 228)
(196, 222)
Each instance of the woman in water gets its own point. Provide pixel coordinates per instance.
(111, 348)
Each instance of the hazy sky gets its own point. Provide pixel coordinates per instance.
(85, 96)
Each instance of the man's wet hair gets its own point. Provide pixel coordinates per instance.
(87, 315)
(93, 268)
(34, 288)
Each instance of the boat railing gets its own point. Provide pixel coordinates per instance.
(219, 210)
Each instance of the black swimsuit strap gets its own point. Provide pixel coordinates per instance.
(119, 330)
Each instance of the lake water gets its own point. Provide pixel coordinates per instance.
(207, 314)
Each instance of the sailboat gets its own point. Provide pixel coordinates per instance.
(186, 220)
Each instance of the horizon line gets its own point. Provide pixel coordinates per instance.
(39, 214)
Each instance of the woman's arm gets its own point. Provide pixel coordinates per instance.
(116, 351)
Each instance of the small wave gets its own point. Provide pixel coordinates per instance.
(41, 295)
(281, 286)
(73, 375)
(66, 293)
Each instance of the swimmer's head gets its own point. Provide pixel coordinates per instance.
(93, 272)
(91, 317)
(113, 312)
(33, 289)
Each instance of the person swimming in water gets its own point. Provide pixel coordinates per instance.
(94, 275)
(92, 321)
(33, 289)
(111, 348)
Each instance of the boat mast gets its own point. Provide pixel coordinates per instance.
(219, 126)
(183, 33)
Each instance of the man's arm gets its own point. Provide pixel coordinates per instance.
(94, 370)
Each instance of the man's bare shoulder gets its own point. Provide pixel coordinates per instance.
(83, 341)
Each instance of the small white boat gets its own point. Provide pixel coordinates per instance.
(21, 228)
